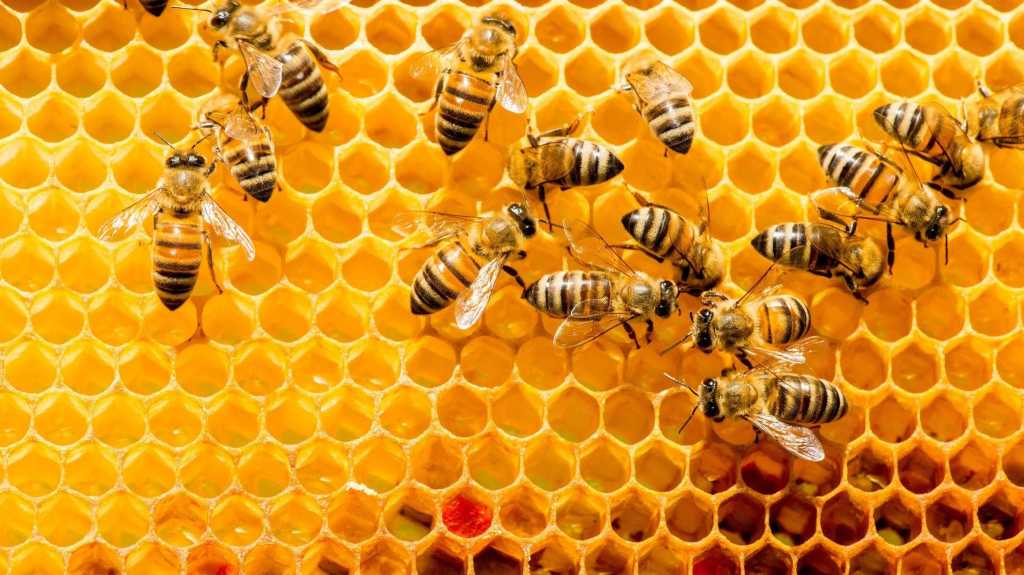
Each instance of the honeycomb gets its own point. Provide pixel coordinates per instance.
(304, 421)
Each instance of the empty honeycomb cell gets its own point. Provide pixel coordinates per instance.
(286, 314)
(86, 368)
(670, 30)
(844, 520)
(336, 218)
(801, 75)
(943, 420)
(57, 316)
(579, 513)
(191, 72)
(615, 30)
(53, 119)
(30, 367)
(307, 168)
(974, 558)
(10, 30)
(853, 73)
(764, 469)
(905, 74)
(263, 470)
(524, 512)
(257, 276)
(90, 469)
(955, 75)
(363, 168)
(206, 470)
(828, 119)
(1006, 268)
(769, 559)
(24, 164)
(948, 518)
(237, 520)
(33, 469)
(999, 516)
(316, 366)
(752, 168)
(109, 30)
(259, 367)
(659, 467)
(80, 168)
(774, 30)
(24, 74)
(628, 415)
(10, 117)
(346, 413)
(492, 462)
(573, 414)
(538, 72)
(353, 515)
(137, 169)
(919, 470)
(922, 559)
(148, 471)
(290, 418)
(892, 420)
(968, 261)
(36, 557)
(940, 312)
(723, 31)
(673, 412)
(518, 411)
(379, 463)
(968, 364)
(993, 312)
(461, 411)
(589, 73)
(604, 465)
(890, 315)
(776, 122)
(210, 558)
(927, 31)
(391, 30)
(51, 28)
(915, 368)
(409, 515)
(95, 558)
(405, 412)
(826, 31)
(15, 415)
(137, 71)
(442, 556)
(384, 557)
(741, 519)
(61, 419)
(321, 467)
(295, 520)
(713, 468)
(63, 519)
(798, 168)
(733, 119)
(979, 32)
(79, 73)
(228, 318)
(560, 30)
(997, 414)
(715, 561)
(549, 463)
(201, 369)
(870, 469)
(390, 123)
(175, 420)
(335, 29)
(792, 520)
(445, 26)
(610, 557)
(898, 520)
(661, 557)
(77, 263)
(877, 29)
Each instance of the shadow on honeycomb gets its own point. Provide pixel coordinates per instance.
(304, 421)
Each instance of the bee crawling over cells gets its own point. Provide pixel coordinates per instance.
(180, 205)
(871, 187)
(825, 250)
(595, 302)
(276, 63)
(782, 406)
(665, 235)
(997, 118)
(930, 132)
(663, 99)
(243, 144)
(552, 158)
(473, 75)
(473, 252)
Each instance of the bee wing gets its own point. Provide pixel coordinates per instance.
(222, 223)
(439, 224)
(591, 249)
(315, 6)
(511, 91)
(429, 65)
(124, 221)
(800, 441)
(580, 327)
(670, 77)
(241, 125)
(264, 70)
(470, 304)
(842, 202)
(792, 354)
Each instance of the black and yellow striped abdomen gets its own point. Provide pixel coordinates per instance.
(783, 319)
(558, 293)
(154, 7)
(177, 253)
(465, 101)
(442, 278)
(794, 245)
(671, 120)
(253, 165)
(302, 87)
(591, 164)
(865, 173)
(807, 400)
(659, 230)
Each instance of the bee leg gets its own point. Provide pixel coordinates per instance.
(665, 153)
(487, 120)
(515, 275)
(649, 336)
(943, 190)
(209, 261)
(742, 356)
(890, 242)
(833, 217)
(217, 47)
(547, 211)
(632, 334)
(658, 259)
(321, 57)
(437, 94)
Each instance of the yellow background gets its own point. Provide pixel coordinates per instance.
(304, 412)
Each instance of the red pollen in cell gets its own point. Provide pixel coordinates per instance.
(224, 569)
(466, 517)
(715, 565)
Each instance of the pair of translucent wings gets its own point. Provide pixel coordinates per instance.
(238, 124)
(126, 220)
(945, 119)
(471, 302)
(659, 80)
(842, 202)
(511, 92)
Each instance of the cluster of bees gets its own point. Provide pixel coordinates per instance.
(766, 331)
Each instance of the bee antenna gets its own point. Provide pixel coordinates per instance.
(707, 206)
(552, 224)
(947, 248)
(193, 8)
(678, 343)
(199, 141)
(689, 418)
(164, 140)
(680, 382)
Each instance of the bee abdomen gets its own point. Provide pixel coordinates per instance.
(783, 319)
(302, 87)
(784, 243)
(592, 164)
(671, 120)
(558, 293)
(154, 7)
(255, 168)
(464, 103)
(441, 279)
(808, 400)
(657, 229)
(903, 121)
(177, 253)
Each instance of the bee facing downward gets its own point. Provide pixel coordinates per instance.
(179, 205)
(663, 99)
(243, 144)
(997, 118)
(475, 250)
(596, 302)
(779, 405)
(564, 162)
(475, 73)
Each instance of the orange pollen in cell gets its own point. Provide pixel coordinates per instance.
(466, 517)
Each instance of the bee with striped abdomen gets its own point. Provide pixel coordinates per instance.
(824, 250)
(930, 132)
(473, 252)
(274, 62)
(180, 205)
(665, 235)
(597, 301)
(781, 406)
(663, 99)
(997, 118)
(243, 144)
(473, 75)
(876, 189)
(554, 159)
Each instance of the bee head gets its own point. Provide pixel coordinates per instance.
(494, 38)
(176, 160)
(667, 294)
(222, 15)
(521, 216)
(709, 400)
(185, 159)
(702, 329)
(937, 224)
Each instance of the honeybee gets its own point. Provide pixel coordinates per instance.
(824, 250)
(478, 72)
(663, 99)
(597, 301)
(180, 205)
(154, 7)
(779, 405)
(930, 132)
(665, 235)
(243, 144)
(474, 251)
(876, 189)
(276, 63)
(997, 118)
(564, 162)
